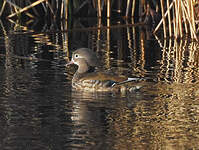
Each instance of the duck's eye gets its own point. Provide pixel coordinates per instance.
(76, 55)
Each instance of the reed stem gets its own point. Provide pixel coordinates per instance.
(164, 23)
(133, 8)
(19, 8)
(26, 8)
(169, 18)
(127, 8)
(99, 8)
(35, 11)
(51, 9)
(192, 15)
(2, 8)
(184, 19)
(157, 27)
(176, 20)
(108, 8)
(66, 9)
(180, 17)
(193, 34)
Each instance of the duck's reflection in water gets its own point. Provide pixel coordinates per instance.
(88, 117)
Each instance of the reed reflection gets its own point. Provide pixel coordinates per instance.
(179, 61)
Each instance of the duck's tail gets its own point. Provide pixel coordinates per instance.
(127, 81)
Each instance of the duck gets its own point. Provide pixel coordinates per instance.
(90, 77)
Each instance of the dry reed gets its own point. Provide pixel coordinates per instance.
(183, 18)
(26, 8)
(163, 18)
(179, 17)
(99, 8)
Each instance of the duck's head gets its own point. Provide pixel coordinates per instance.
(85, 59)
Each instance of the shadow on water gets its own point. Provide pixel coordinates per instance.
(39, 110)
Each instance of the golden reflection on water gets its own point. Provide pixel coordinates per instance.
(168, 121)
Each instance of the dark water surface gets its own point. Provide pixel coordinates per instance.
(39, 110)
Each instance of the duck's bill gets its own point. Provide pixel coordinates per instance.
(69, 63)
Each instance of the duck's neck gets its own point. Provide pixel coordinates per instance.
(85, 69)
(80, 73)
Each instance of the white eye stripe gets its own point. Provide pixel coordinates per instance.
(77, 56)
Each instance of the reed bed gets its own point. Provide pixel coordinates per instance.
(179, 17)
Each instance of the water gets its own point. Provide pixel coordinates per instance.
(39, 110)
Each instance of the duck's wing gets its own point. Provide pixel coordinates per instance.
(102, 76)
(100, 79)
